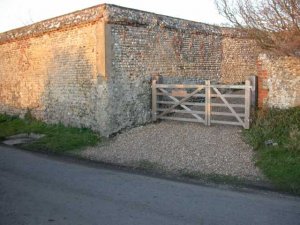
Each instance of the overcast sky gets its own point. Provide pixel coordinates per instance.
(18, 13)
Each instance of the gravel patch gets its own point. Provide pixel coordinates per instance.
(177, 146)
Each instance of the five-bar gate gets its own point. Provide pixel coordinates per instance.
(203, 103)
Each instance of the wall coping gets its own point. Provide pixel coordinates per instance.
(114, 14)
(69, 20)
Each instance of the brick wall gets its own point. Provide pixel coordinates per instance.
(263, 90)
(278, 81)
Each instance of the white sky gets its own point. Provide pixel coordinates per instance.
(18, 13)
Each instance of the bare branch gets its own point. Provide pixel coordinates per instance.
(275, 24)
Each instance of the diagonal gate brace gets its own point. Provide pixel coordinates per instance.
(228, 105)
(183, 106)
(180, 102)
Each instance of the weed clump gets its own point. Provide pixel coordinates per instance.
(280, 160)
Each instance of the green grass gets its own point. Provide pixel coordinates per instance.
(280, 163)
(57, 139)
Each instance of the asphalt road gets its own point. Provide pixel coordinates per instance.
(37, 190)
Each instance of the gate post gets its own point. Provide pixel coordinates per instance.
(154, 100)
(207, 102)
(247, 103)
(254, 91)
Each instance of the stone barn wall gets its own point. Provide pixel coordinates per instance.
(93, 68)
(53, 68)
(239, 57)
(278, 81)
(145, 45)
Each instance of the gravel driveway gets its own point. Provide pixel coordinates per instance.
(177, 146)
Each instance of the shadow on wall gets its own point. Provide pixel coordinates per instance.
(74, 96)
(70, 94)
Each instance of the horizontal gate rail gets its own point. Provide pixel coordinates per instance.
(229, 96)
(185, 103)
(180, 119)
(226, 105)
(202, 95)
(227, 114)
(229, 86)
(226, 122)
(179, 86)
(180, 101)
(183, 111)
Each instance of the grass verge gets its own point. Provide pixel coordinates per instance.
(57, 139)
(275, 135)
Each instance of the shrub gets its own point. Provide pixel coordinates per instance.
(279, 125)
(281, 162)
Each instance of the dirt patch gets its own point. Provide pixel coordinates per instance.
(22, 138)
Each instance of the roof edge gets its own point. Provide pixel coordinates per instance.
(127, 16)
(113, 14)
(69, 20)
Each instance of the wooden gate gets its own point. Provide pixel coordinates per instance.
(203, 103)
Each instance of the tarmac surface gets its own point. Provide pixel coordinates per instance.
(38, 189)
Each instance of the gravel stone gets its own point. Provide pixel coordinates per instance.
(177, 146)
